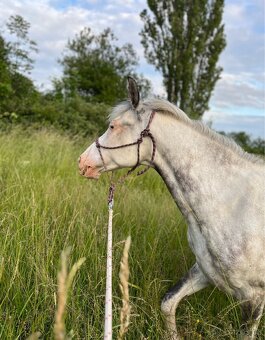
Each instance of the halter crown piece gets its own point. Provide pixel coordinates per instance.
(144, 133)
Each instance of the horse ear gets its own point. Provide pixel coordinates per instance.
(133, 92)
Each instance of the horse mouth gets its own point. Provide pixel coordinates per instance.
(90, 172)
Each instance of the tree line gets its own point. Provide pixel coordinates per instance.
(93, 79)
(182, 39)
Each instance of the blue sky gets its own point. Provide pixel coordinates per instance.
(238, 100)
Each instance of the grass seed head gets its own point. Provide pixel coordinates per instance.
(124, 287)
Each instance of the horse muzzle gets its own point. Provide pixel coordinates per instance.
(88, 169)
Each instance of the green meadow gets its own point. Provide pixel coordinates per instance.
(46, 207)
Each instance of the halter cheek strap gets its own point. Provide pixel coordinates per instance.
(145, 133)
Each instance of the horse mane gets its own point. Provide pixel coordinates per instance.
(165, 107)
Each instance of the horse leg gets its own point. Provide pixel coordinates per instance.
(251, 315)
(191, 283)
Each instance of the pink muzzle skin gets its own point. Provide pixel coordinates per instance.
(87, 168)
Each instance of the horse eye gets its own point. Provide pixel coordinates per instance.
(112, 127)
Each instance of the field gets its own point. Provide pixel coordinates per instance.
(45, 207)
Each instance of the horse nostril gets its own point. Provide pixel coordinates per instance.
(84, 170)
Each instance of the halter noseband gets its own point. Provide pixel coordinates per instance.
(145, 133)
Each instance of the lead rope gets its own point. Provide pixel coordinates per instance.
(108, 297)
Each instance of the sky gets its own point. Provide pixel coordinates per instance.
(237, 103)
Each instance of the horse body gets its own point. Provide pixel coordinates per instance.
(221, 194)
(223, 204)
(217, 187)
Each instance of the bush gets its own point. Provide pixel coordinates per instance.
(74, 115)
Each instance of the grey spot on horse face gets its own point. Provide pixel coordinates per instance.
(140, 112)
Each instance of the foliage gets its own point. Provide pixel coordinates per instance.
(256, 146)
(21, 103)
(74, 115)
(21, 48)
(46, 206)
(17, 91)
(184, 39)
(95, 68)
(5, 81)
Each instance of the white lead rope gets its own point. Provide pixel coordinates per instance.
(108, 298)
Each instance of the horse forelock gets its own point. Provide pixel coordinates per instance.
(119, 110)
(165, 107)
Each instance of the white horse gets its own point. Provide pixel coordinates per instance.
(217, 186)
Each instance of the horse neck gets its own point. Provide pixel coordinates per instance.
(188, 161)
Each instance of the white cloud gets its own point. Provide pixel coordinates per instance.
(52, 27)
(221, 121)
(243, 58)
(238, 90)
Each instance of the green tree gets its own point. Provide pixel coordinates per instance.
(95, 68)
(21, 48)
(17, 91)
(183, 39)
(5, 81)
(256, 146)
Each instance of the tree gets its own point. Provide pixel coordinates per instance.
(5, 81)
(22, 46)
(183, 39)
(95, 68)
(17, 91)
(256, 146)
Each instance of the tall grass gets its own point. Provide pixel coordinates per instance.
(45, 207)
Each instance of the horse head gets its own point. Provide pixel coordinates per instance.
(119, 146)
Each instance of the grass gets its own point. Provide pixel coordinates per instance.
(45, 207)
